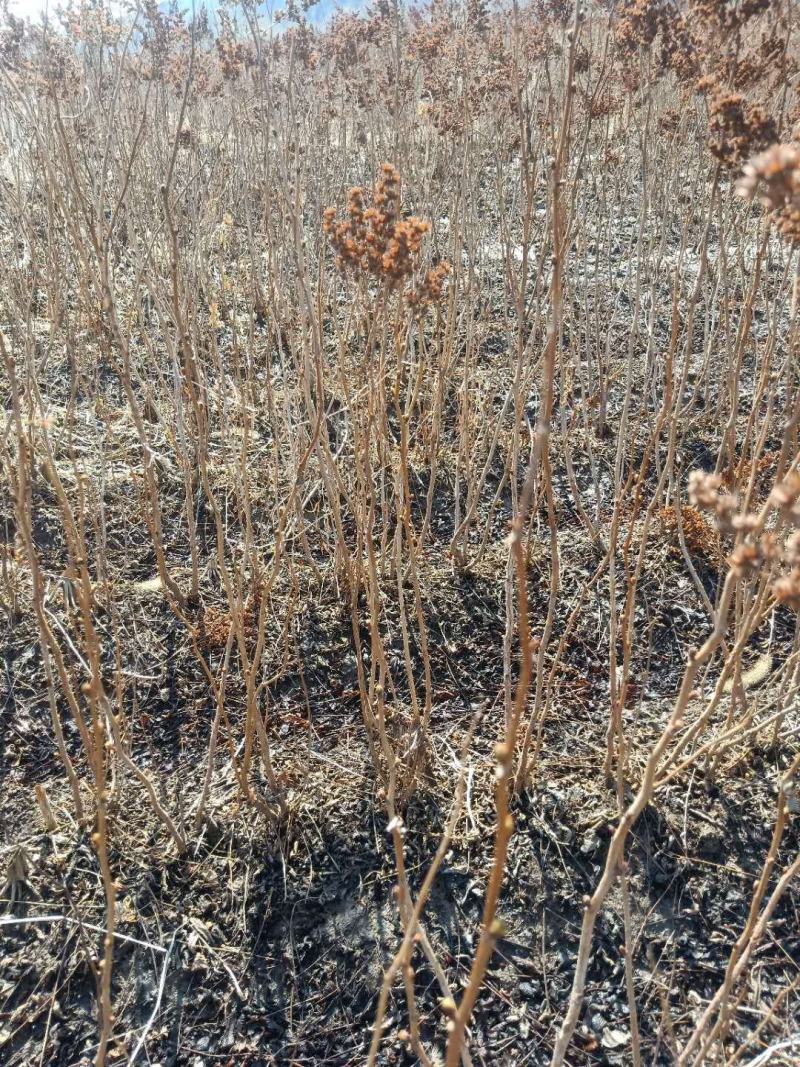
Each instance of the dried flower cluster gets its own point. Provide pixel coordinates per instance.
(376, 239)
(736, 127)
(764, 549)
(787, 587)
(638, 25)
(728, 16)
(350, 38)
(213, 626)
(786, 499)
(704, 44)
(704, 493)
(701, 538)
(774, 175)
(299, 42)
(679, 49)
(642, 22)
(763, 467)
(430, 290)
(12, 41)
(467, 67)
(235, 57)
(759, 62)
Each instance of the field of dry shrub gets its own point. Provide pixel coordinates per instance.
(400, 518)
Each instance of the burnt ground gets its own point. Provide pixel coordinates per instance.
(266, 945)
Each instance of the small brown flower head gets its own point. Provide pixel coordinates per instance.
(429, 292)
(670, 120)
(737, 128)
(704, 489)
(603, 104)
(787, 589)
(746, 560)
(581, 60)
(707, 83)
(791, 552)
(787, 222)
(785, 498)
(726, 17)
(700, 537)
(328, 219)
(776, 172)
(638, 25)
(233, 57)
(704, 493)
(403, 249)
(678, 49)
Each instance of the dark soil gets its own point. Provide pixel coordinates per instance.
(276, 938)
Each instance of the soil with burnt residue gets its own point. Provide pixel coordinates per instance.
(268, 945)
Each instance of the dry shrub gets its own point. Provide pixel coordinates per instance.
(332, 416)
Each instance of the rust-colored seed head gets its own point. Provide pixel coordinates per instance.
(774, 175)
(377, 241)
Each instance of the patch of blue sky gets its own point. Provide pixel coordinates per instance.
(319, 13)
